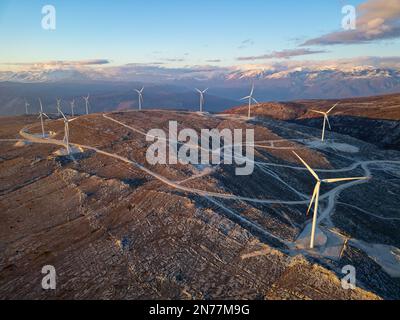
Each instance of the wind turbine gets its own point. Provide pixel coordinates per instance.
(87, 103)
(58, 106)
(66, 132)
(251, 99)
(140, 93)
(72, 107)
(326, 119)
(315, 196)
(41, 114)
(201, 98)
(26, 107)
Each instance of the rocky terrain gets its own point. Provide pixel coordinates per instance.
(115, 227)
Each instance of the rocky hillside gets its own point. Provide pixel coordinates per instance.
(372, 119)
(117, 230)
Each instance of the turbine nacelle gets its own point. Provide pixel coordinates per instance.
(202, 92)
(326, 119)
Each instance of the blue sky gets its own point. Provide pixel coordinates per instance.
(176, 32)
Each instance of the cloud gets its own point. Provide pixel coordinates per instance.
(345, 65)
(135, 64)
(284, 54)
(213, 60)
(92, 62)
(174, 59)
(376, 20)
(246, 43)
(61, 63)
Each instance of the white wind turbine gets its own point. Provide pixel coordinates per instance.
(41, 114)
(72, 107)
(315, 196)
(251, 99)
(87, 103)
(326, 119)
(58, 107)
(66, 132)
(27, 105)
(201, 98)
(140, 94)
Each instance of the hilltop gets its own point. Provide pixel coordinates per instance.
(372, 119)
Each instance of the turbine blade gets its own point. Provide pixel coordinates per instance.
(245, 98)
(312, 199)
(46, 116)
(344, 179)
(63, 115)
(199, 91)
(255, 101)
(307, 166)
(333, 107)
(252, 90)
(320, 112)
(205, 90)
(327, 120)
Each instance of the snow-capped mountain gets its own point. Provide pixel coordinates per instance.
(45, 76)
(361, 72)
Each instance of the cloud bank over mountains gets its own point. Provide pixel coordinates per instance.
(58, 64)
(284, 54)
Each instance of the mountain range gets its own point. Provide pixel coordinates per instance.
(279, 81)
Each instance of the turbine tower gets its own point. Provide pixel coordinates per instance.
(315, 196)
(27, 105)
(66, 132)
(140, 94)
(72, 107)
(326, 119)
(251, 99)
(201, 98)
(87, 103)
(41, 114)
